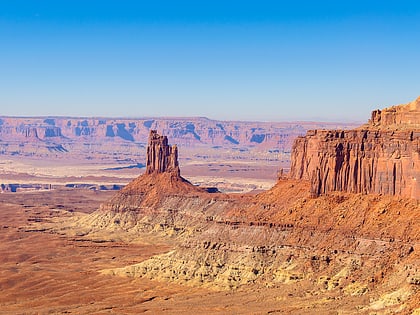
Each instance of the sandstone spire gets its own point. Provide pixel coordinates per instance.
(161, 158)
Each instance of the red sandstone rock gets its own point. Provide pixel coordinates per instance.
(281, 235)
(377, 158)
(161, 157)
(397, 117)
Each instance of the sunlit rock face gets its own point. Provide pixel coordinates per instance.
(406, 116)
(380, 157)
(160, 156)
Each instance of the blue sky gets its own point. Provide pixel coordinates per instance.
(244, 60)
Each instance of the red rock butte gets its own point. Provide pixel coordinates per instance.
(379, 157)
(162, 177)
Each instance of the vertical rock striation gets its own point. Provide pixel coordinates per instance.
(161, 158)
(380, 157)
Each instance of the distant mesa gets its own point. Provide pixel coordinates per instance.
(109, 138)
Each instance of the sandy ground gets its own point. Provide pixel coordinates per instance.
(227, 176)
(44, 273)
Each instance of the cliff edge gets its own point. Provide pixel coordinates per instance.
(380, 157)
(405, 116)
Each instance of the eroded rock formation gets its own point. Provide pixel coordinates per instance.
(160, 156)
(400, 116)
(161, 180)
(351, 245)
(380, 157)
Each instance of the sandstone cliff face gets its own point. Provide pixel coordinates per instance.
(400, 116)
(377, 158)
(160, 156)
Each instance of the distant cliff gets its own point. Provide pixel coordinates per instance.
(380, 157)
(184, 131)
(123, 140)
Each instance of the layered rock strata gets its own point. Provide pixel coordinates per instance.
(188, 132)
(400, 116)
(348, 244)
(381, 157)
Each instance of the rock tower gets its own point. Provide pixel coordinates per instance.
(161, 157)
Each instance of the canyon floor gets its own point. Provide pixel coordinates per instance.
(43, 271)
(210, 167)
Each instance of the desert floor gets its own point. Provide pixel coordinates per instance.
(44, 272)
(226, 175)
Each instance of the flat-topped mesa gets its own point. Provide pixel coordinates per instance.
(161, 157)
(378, 157)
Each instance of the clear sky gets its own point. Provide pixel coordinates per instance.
(244, 60)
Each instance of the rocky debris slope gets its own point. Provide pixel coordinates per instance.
(347, 245)
(381, 157)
